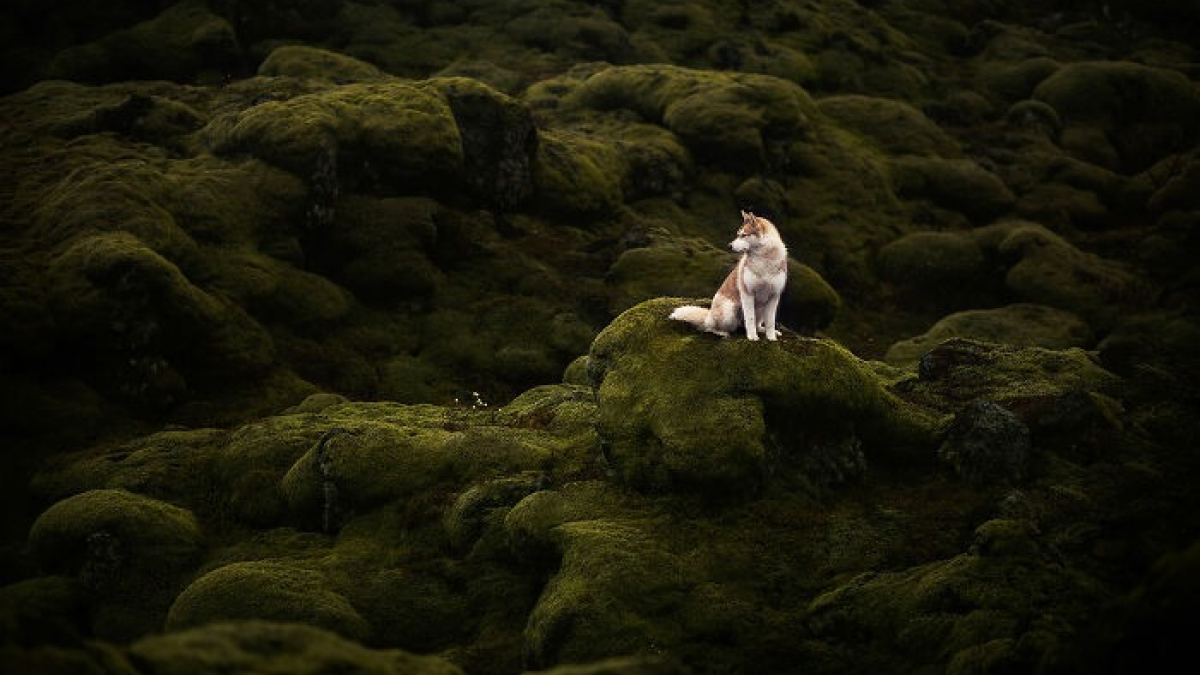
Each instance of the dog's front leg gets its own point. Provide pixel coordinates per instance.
(769, 317)
(748, 316)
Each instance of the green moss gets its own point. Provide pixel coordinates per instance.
(680, 409)
(263, 646)
(1024, 325)
(380, 247)
(605, 546)
(265, 590)
(499, 140)
(733, 118)
(182, 42)
(393, 136)
(897, 127)
(960, 370)
(959, 184)
(174, 466)
(121, 295)
(935, 268)
(1051, 271)
(1146, 113)
(154, 534)
(129, 550)
(311, 63)
(577, 175)
(955, 612)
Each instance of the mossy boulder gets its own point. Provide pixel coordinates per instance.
(381, 248)
(1145, 113)
(733, 119)
(390, 137)
(124, 298)
(174, 466)
(897, 127)
(987, 444)
(946, 269)
(186, 41)
(684, 410)
(150, 534)
(970, 613)
(576, 174)
(1049, 270)
(499, 140)
(368, 455)
(312, 63)
(270, 647)
(959, 184)
(960, 370)
(605, 547)
(267, 590)
(1020, 324)
(130, 551)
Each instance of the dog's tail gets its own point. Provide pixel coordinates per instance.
(697, 316)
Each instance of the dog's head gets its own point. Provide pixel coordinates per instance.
(752, 232)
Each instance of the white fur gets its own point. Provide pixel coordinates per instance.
(750, 294)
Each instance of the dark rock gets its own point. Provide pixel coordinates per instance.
(987, 444)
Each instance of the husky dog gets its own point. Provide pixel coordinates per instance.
(750, 294)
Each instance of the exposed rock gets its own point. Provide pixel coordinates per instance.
(986, 444)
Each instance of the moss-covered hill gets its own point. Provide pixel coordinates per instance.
(335, 336)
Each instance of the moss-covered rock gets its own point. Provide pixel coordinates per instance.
(123, 298)
(577, 175)
(368, 455)
(150, 534)
(606, 549)
(681, 410)
(312, 63)
(972, 612)
(986, 444)
(266, 590)
(499, 141)
(174, 466)
(265, 646)
(184, 42)
(1145, 113)
(897, 127)
(129, 550)
(945, 269)
(737, 120)
(1050, 271)
(380, 248)
(959, 184)
(393, 137)
(1021, 324)
(959, 371)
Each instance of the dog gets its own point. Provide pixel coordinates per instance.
(750, 294)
